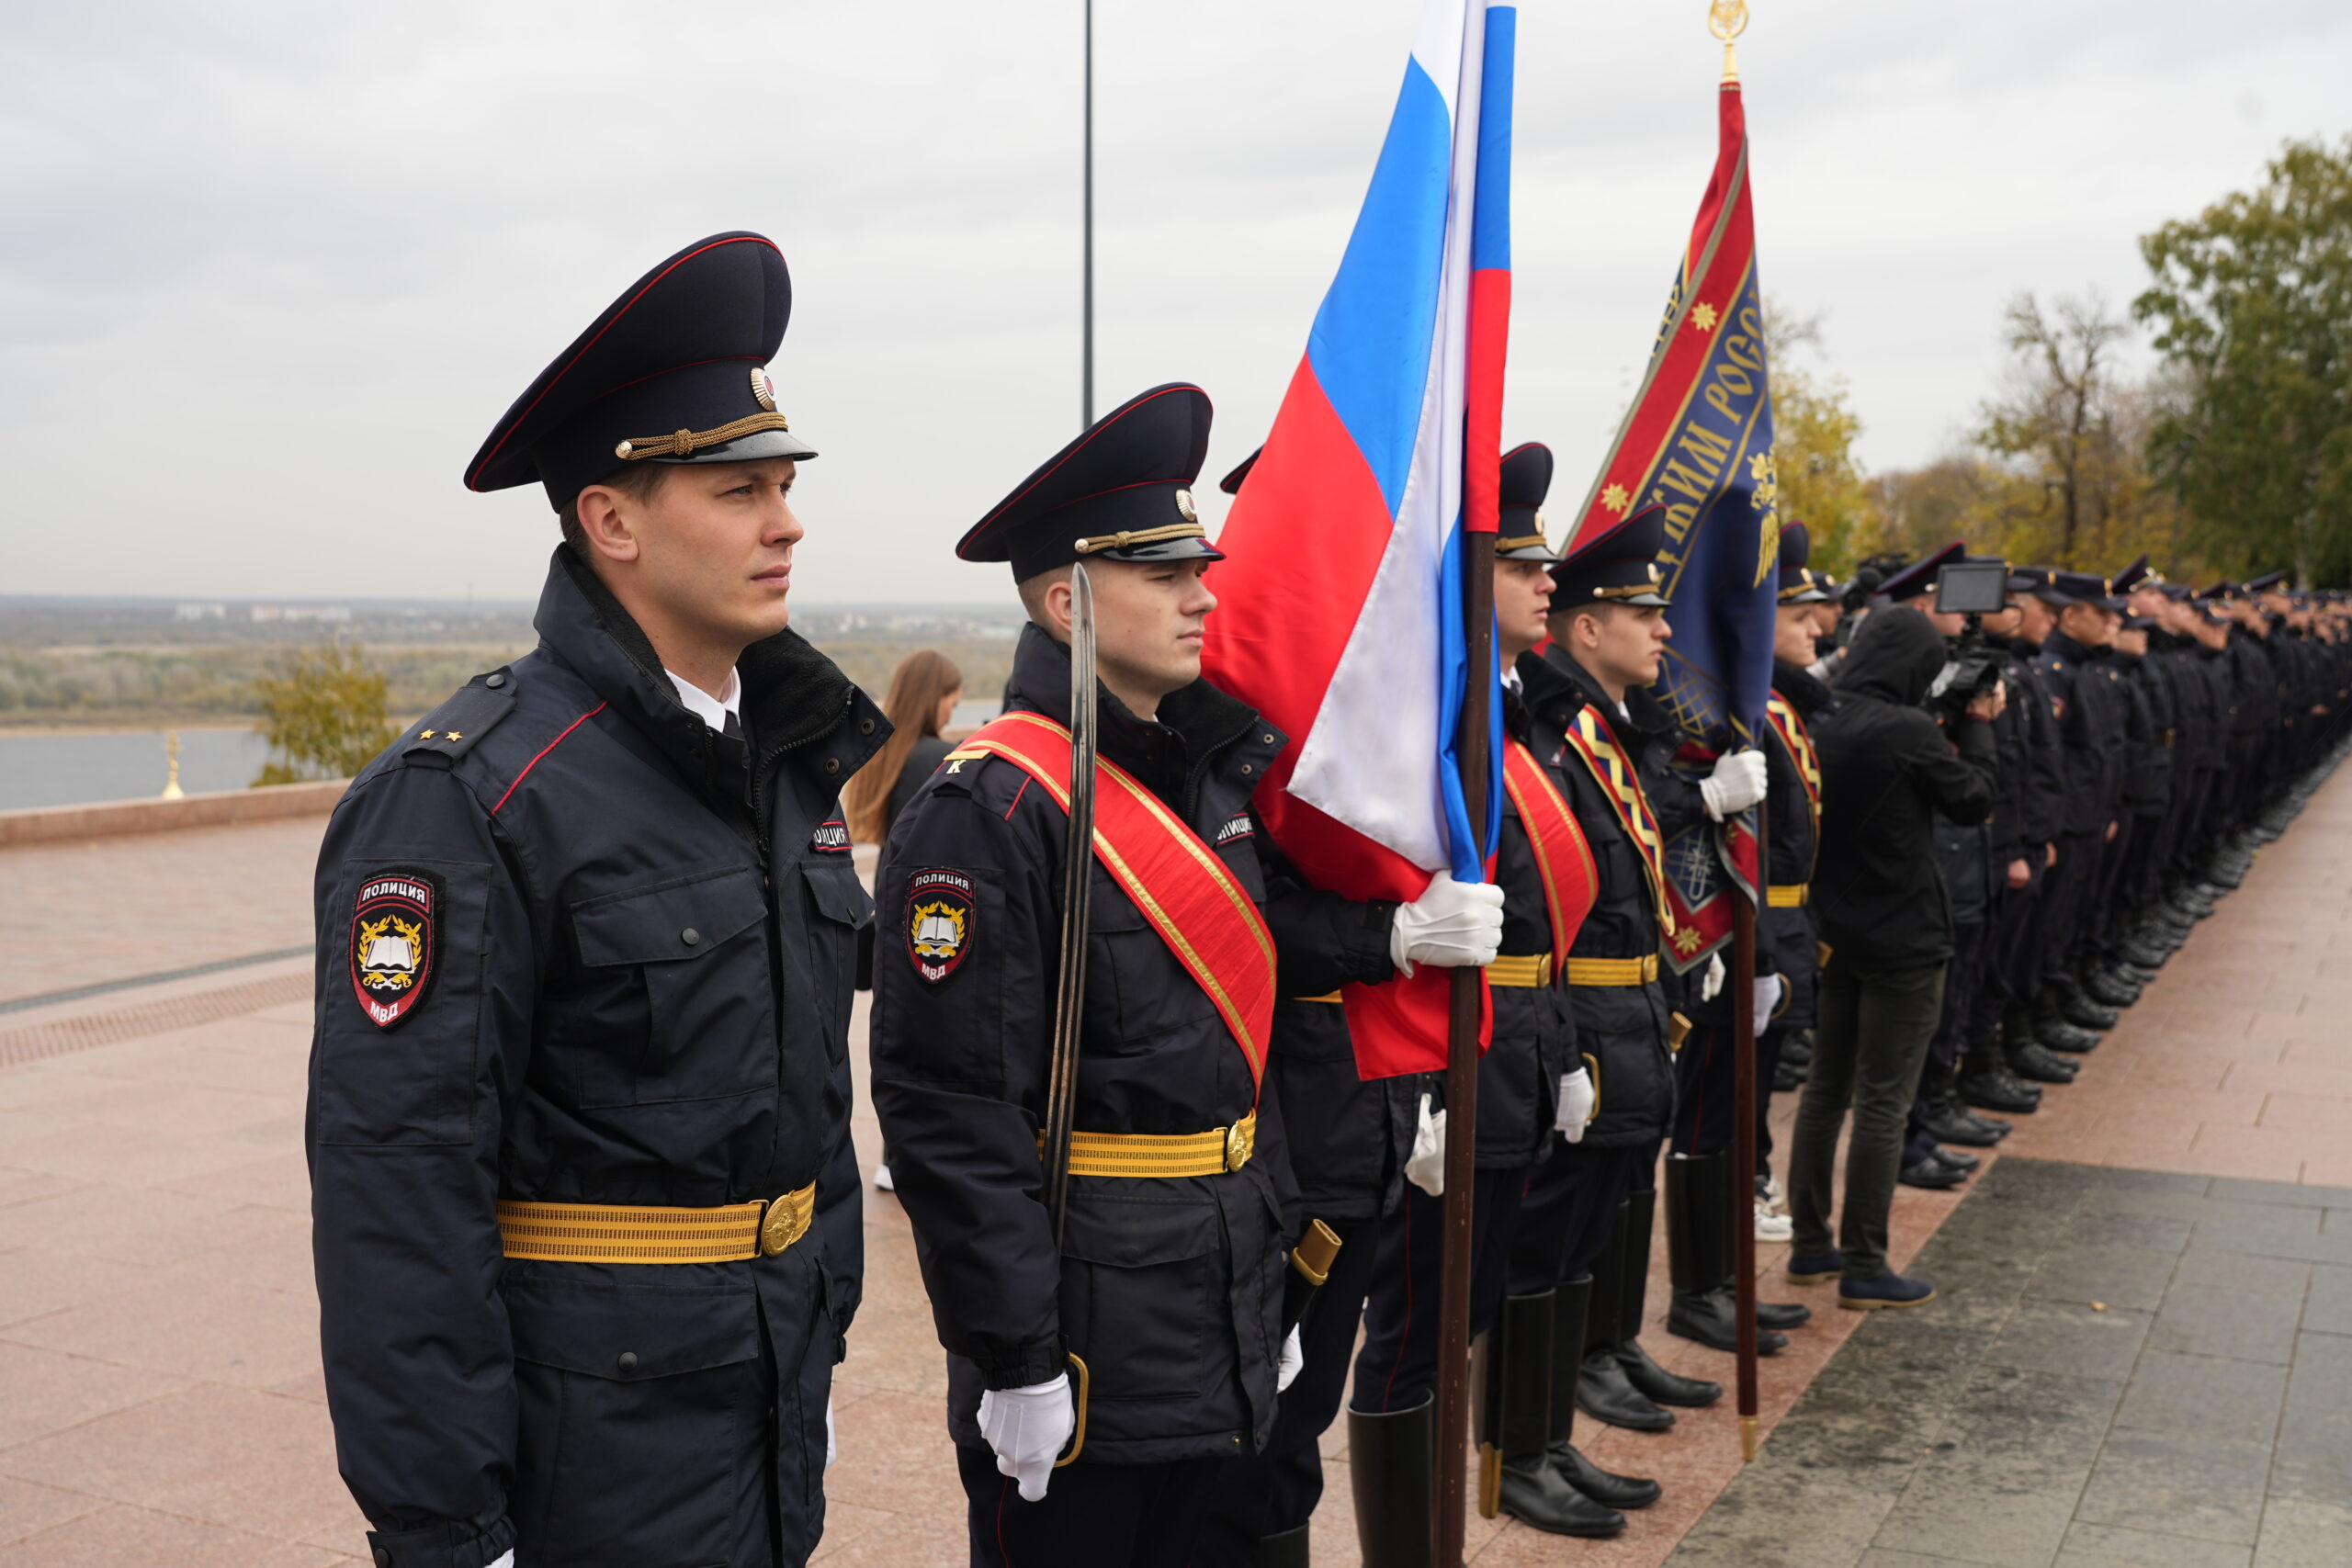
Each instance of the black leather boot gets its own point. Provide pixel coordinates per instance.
(2054, 1028)
(2033, 1062)
(1602, 1386)
(1699, 1245)
(2077, 1006)
(2105, 986)
(1287, 1550)
(1391, 1470)
(1530, 1414)
(1797, 1049)
(1985, 1080)
(1652, 1380)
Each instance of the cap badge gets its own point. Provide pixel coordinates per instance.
(1184, 506)
(763, 388)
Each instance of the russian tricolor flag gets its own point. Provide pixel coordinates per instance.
(1341, 590)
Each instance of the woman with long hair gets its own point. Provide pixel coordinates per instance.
(924, 691)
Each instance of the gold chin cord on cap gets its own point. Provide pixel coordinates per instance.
(1129, 538)
(683, 442)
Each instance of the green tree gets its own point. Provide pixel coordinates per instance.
(323, 714)
(2252, 305)
(1813, 431)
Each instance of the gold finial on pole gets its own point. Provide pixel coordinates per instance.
(172, 790)
(1727, 19)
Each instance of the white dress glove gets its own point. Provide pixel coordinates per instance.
(1577, 1099)
(830, 1449)
(1028, 1427)
(506, 1559)
(1294, 1360)
(1712, 986)
(1767, 997)
(1426, 1168)
(1455, 925)
(1736, 784)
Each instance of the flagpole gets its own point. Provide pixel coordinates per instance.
(1468, 1005)
(1743, 1138)
(1086, 310)
(1727, 19)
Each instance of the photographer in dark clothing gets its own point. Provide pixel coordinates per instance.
(1888, 770)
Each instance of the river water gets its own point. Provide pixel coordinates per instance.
(74, 767)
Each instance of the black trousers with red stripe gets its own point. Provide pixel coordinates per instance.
(1092, 1516)
(1397, 1367)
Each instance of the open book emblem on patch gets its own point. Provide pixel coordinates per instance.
(393, 943)
(939, 922)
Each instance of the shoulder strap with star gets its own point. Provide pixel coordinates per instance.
(459, 724)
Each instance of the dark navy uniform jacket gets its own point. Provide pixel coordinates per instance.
(1348, 1137)
(1534, 1039)
(638, 993)
(2088, 707)
(1621, 1031)
(2041, 784)
(1790, 939)
(1170, 1288)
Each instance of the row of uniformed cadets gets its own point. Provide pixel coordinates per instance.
(586, 1213)
(2157, 735)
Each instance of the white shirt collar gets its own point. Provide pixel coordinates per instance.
(712, 711)
(1511, 678)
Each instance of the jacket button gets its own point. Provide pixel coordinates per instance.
(1267, 738)
(383, 1558)
(690, 936)
(865, 727)
(495, 682)
(832, 765)
(1248, 768)
(628, 1361)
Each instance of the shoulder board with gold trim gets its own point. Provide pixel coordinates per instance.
(459, 723)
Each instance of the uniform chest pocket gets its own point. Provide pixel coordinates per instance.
(842, 912)
(681, 971)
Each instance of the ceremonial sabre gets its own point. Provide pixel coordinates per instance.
(1077, 889)
(1078, 894)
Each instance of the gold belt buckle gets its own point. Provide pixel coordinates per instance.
(1241, 1143)
(787, 1221)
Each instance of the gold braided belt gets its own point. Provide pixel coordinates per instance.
(1787, 896)
(1527, 971)
(603, 1232)
(1612, 970)
(1212, 1153)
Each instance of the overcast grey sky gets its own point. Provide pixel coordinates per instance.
(269, 271)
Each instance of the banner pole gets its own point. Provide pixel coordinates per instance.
(1450, 1517)
(1743, 1139)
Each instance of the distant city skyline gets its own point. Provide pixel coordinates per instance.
(269, 273)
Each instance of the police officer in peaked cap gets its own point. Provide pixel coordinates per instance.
(585, 1213)
(1147, 1350)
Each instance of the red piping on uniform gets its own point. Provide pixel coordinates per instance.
(1003, 1495)
(1016, 797)
(518, 422)
(543, 751)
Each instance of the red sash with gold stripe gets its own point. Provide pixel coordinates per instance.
(1790, 726)
(1207, 918)
(1590, 737)
(1563, 858)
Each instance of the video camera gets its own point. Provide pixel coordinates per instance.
(1973, 589)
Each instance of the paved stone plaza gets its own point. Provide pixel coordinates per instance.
(2142, 1355)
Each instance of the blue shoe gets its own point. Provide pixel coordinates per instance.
(1817, 1267)
(1889, 1290)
